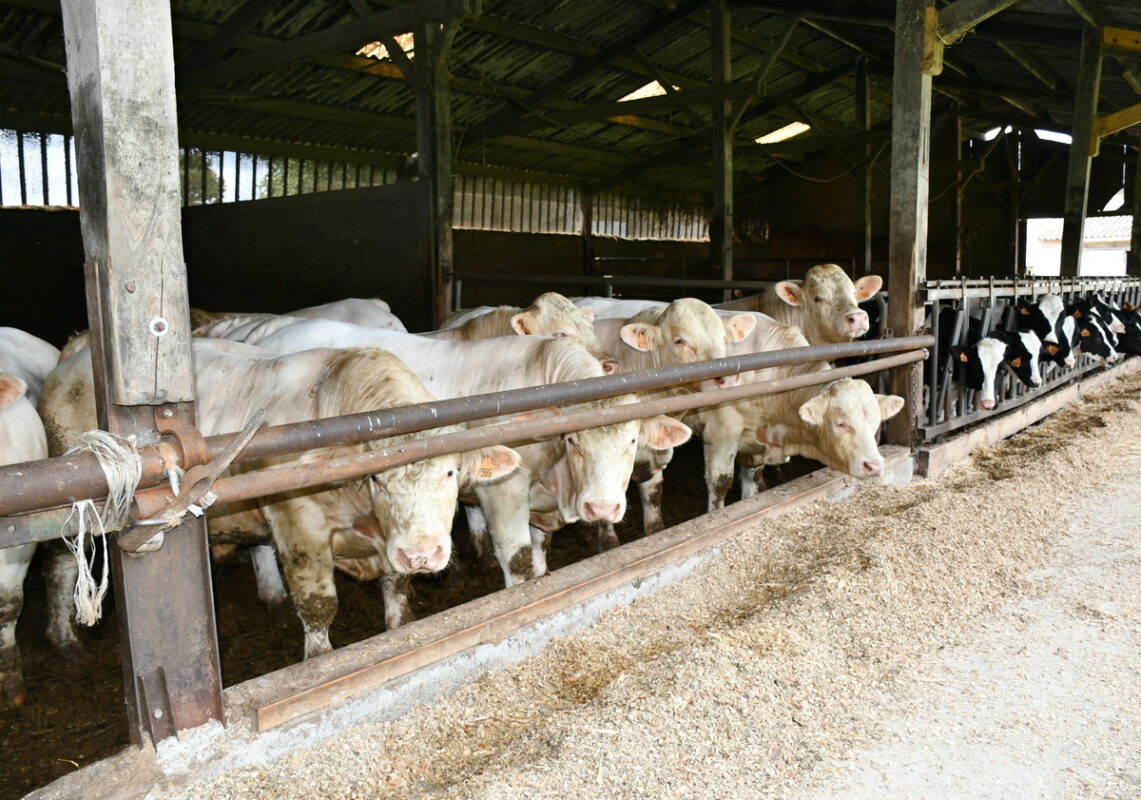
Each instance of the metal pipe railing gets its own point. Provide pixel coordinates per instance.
(959, 289)
(612, 280)
(52, 482)
(41, 526)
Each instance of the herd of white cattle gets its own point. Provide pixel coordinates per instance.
(355, 356)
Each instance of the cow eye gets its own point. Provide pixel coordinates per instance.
(818, 299)
(679, 341)
(451, 473)
(560, 334)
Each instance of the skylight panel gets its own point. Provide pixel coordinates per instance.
(781, 134)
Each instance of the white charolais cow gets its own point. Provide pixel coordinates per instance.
(824, 305)
(682, 332)
(411, 507)
(598, 459)
(551, 314)
(25, 362)
(834, 423)
(369, 311)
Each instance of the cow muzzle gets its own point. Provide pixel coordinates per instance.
(603, 511)
(855, 323)
(426, 559)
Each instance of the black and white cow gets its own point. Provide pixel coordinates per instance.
(979, 364)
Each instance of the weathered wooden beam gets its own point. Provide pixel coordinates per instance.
(1133, 258)
(1090, 11)
(346, 37)
(1112, 123)
(958, 18)
(1078, 167)
(907, 232)
(1031, 63)
(864, 198)
(309, 111)
(1121, 39)
(721, 142)
(434, 157)
(121, 82)
(237, 24)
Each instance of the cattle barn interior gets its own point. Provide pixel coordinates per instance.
(452, 153)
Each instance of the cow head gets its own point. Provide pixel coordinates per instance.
(840, 426)
(598, 463)
(1040, 317)
(830, 301)
(554, 315)
(416, 503)
(1094, 338)
(981, 362)
(688, 330)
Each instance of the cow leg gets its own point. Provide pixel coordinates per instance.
(60, 573)
(719, 454)
(540, 543)
(651, 492)
(505, 506)
(396, 589)
(302, 537)
(477, 526)
(271, 590)
(751, 474)
(13, 566)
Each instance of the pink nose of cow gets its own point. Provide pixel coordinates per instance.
(602, 512)
(425, 560)
(1070, 362)
(1036, 381)
(987, 404)
(726, 381)
(856, 320)
(871, 468)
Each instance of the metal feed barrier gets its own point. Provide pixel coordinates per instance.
(992, 301)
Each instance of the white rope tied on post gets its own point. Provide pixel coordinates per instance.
(122, 466)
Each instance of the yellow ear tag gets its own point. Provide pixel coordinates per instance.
(1016, 363)
(1077, 315)
(1052, 349)
(486, 467)
(1085, 333)
(964, 357)
(643, 340)
(1024, 311)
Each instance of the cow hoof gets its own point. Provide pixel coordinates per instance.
(73, 652)
(15, 692)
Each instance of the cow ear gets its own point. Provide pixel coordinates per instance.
(587, 312)
(960, 353)
(738, 326)
(789, 292)
(890, 405)
(662, 433)
(642, 336)
(524, 323)
(12, 388)
(1016, 362)
(1024, 311)
(813, 411)
(868, 286)
(490, 463)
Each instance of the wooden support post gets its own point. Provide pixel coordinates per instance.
(721, 221)
(1077, 172)
(960, 195)
(121, 79)
(1133, 260)
(907, 246)
(434, 154)
(1014, 209)
(863, 123)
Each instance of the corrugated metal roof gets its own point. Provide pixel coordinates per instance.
(1097, 229)
(517, 47)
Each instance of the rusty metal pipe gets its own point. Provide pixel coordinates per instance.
(49, 524)
(52, 482)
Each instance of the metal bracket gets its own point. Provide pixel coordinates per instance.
(196, 484)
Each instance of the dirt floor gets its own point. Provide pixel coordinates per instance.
(74, 714)
(971, 636)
